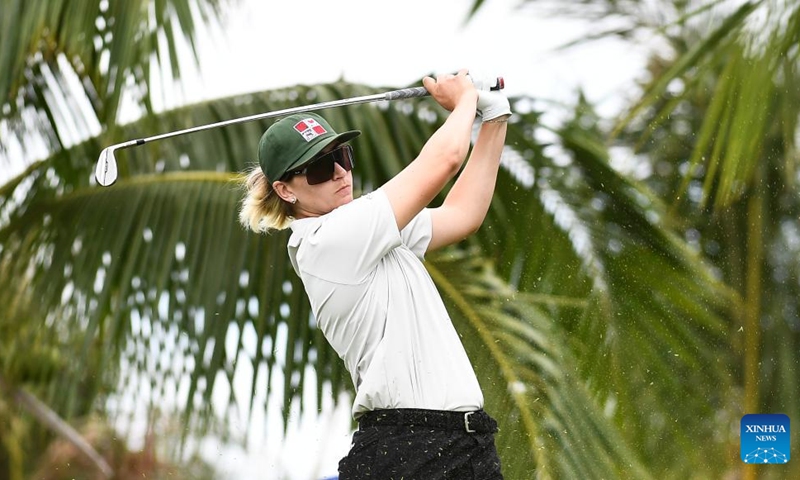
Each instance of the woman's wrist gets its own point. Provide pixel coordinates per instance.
(470, 98)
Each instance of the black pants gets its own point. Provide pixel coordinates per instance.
(412, 444)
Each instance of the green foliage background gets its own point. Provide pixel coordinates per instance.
(621, 321)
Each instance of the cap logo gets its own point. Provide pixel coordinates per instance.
(309, 129)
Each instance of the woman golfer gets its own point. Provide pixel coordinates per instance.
(418, 402)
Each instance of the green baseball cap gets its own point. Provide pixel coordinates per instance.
(294, 140)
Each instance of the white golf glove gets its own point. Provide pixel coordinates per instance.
(493, 106)
(484, 83)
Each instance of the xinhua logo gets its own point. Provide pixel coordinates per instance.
(765, 438)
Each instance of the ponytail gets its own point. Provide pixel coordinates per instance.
(262, 209)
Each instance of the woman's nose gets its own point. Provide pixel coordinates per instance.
(338, 170)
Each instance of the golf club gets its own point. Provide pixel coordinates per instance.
(106, 171)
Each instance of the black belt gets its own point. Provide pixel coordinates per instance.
(471, 422)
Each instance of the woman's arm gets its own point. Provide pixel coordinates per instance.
(415, 187)
(465, 207)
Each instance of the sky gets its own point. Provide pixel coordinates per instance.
(266, 45)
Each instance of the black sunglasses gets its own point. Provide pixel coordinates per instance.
(321, 169)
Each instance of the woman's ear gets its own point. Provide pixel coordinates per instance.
(284, 191)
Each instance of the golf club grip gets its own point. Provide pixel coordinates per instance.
(416, 92)
(406, 93)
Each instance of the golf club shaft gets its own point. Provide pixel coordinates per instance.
(393, 95)
(106, 171)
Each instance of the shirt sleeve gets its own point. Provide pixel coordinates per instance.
(417, 234)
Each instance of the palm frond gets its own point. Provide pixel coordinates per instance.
(67, 64)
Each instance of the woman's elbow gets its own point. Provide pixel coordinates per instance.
(474, 226)
(453, 159)
(470, 224)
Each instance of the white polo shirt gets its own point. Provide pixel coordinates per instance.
(378, 307)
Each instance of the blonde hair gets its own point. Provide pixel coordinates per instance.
(262, 208)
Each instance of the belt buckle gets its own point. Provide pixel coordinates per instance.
(466, 422)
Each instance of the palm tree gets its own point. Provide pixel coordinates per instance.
(717, 124)
(148, 291)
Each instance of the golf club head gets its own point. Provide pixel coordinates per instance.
(106, 171)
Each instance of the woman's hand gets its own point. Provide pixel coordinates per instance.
(449, 90)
